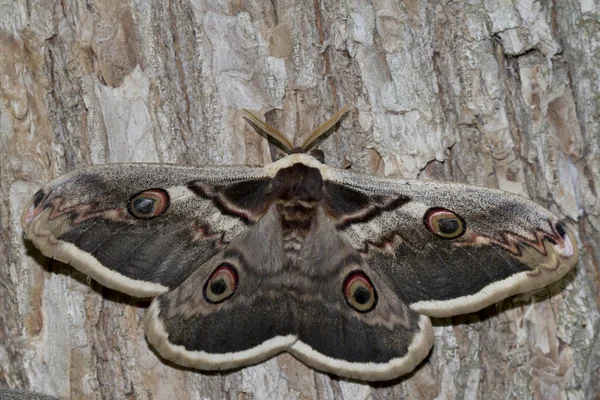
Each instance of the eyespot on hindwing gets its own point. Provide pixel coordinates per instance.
(222, 284)
(359, 292)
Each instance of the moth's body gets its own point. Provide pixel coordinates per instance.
(298, 190)
(340, 269)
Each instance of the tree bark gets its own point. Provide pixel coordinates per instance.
(501, 93)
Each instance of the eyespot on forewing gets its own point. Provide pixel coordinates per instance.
(148, 204)
(444, 223)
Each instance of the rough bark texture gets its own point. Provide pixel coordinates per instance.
(502, 93)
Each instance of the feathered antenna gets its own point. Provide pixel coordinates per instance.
(280, 139)
(313, 138)
(284, 143)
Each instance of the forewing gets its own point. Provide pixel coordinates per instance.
(85, 219)
(508, 244)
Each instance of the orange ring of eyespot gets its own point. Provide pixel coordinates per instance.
(354, 277)
(434, 217)
(231, 279)
(160, 199)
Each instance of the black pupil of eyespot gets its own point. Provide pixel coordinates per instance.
(143, 205)
(448, 225)
(218, 287)
(362, 295)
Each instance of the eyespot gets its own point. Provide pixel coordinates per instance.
(359, 292)
(444, 223)
(149, 203)
(221, 285)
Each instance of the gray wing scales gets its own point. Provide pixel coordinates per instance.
(298, 307)
(449, 248)
(233, 311)
(423, 249)
(377, 341)
(379, 345)
(138, 228)
(242, 274)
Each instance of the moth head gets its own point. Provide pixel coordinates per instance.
(284, 143)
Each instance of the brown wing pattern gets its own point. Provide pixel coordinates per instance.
(503, 244)
(88, 219)
(340, 269)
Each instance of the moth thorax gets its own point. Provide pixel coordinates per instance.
(298, 182)
(298, 192)
(296, 211)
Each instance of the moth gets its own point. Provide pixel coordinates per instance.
(338, 268)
